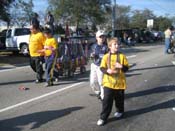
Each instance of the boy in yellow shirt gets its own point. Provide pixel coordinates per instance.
(50, 53)
(114, 64)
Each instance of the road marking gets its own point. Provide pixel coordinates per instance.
(15, 68)
(39, 97)
(42, 96)
(131, 56)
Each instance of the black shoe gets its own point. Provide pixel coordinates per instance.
(42, 73)
(99, 97)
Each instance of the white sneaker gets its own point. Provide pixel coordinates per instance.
(56, 79)
(97, 92)
(100, 122)
(118, 115)
(173, 62)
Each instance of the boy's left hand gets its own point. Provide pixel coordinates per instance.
(118, 65)
(111, 71)
(41, 51)
(48, 47)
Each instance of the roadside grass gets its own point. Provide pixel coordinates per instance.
(6, 53)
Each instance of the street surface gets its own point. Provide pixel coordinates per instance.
(70, 104)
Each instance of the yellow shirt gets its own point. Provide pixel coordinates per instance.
(167, 33)
(115, 81)
(52, 43)
(36, 43)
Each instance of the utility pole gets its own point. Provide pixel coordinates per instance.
(113, 18)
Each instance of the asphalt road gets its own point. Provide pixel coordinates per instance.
(71, 105)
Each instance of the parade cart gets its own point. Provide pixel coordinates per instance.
(71, 56)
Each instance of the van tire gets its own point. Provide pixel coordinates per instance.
(24, 49)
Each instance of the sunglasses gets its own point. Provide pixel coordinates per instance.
(102, 36)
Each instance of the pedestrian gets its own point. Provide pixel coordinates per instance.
(50, 21)
(35, 20)
(167, 33)
(36, 43)
(114, 64)
(50, 52)
(125, 38)
(98, 50)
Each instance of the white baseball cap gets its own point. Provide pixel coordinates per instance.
(100, 33)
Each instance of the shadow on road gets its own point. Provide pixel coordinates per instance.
(131, 113)
(16, 82)
(149, 68)
(35, 120)
(163, 105)
(62, 81)
(155, 90)
(129, 49)
(129, 74)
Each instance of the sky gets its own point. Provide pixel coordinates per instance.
(40, 5)
(159, 7)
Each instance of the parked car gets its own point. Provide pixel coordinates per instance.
(17, 40)
(124, 35)
(136, 35)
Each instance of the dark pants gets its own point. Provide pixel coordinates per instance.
(36, 64)
(109, 96)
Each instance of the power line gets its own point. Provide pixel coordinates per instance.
(160, 6)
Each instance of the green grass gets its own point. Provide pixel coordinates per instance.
(5, 53)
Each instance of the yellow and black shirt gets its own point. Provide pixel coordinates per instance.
(118, 80)
(51, 42)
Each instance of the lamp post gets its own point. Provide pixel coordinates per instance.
(113, 18)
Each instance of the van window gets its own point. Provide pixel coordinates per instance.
(23, 31)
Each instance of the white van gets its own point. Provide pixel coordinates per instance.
(17, 40)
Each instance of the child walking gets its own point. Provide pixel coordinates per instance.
(114, 64)
(98, 50)
(50, 52)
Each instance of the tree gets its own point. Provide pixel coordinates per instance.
(173, 20)
(162, 23)
(4, 9)
(139, 18)
(80, 11)
(21, 12)
(122, 17)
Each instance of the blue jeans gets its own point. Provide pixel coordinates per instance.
(49, 68)
(167, 44)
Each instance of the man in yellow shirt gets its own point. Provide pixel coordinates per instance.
(50, 52)
(36, 43)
